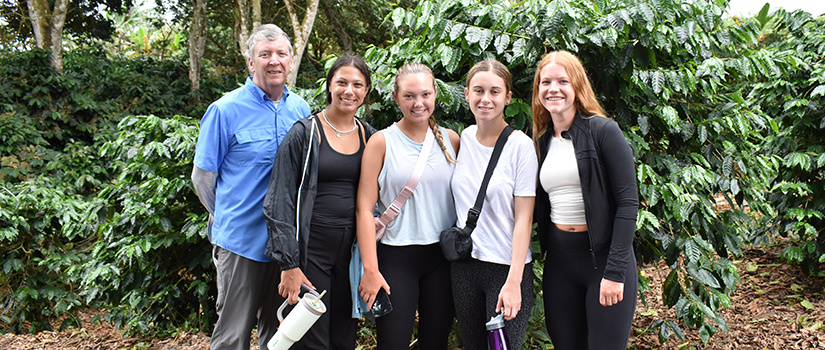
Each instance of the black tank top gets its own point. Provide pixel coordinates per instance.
(338, 176)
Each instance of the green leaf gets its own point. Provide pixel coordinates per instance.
(705, 333)
(681, 34)
(762, 16)
(692, 251)
(24, 292)
(644, 125)
(658, 82)
(472, 35)
(818, 91)
(615, 21)
(457, 30)
(610, 36)
(518, 47)
(646, 216)
(704, 277)
(669, 114)
(807, 304)
(501, 43)
(12, 265)
(800, 160)
(452, 64)
(727, 166)
(793, 254)
(165, 224)
(398, 16)
(671, 289)
(445, 54)
(486, 38)
(446, 5)
(647, 12)
(734, 187)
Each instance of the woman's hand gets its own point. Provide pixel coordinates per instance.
(290, 285)
(611, 293)
(371, 282)
(509, 300)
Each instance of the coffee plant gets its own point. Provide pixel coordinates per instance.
(58, 193)
(724, 116)
(794, 99)
(151, 260)
(668, 72)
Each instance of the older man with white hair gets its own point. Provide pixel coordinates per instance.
(239, 136)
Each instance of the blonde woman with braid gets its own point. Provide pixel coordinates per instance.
(407, 262)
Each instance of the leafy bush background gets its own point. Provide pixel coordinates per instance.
(97, 209)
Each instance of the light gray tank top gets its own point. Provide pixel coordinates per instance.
(430, 209)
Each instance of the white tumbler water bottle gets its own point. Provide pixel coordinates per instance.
(308, 309)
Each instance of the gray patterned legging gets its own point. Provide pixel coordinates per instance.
(476, 285)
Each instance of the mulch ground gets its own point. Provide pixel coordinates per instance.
(774, 307)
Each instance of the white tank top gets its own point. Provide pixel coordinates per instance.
(559, 176)
(430, 209)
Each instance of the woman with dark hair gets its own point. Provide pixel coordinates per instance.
(407, 263)
(586, 207)
(310, 205)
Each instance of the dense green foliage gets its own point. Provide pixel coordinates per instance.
(150, 255)
(794, 98)
(678, 80)
(73, 227)
(658, 69)
(96, 207)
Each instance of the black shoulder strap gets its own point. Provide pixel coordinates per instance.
(472, 216)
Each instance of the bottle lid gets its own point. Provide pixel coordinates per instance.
(496, 322)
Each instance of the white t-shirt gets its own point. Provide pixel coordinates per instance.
(514, 175)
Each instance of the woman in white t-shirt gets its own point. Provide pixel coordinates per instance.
(499, 277)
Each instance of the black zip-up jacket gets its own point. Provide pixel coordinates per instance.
(608, 181)
(288, 211)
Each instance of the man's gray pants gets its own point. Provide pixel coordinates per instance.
(247, 291)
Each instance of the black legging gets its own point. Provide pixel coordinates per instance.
(328, 255)
(418, 276)
(575, 318)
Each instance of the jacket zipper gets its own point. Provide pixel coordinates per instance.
(584, 198)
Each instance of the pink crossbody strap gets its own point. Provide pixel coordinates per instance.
(395, 208)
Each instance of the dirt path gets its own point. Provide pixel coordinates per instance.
(775, 307)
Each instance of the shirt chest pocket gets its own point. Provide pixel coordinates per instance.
(255, 146)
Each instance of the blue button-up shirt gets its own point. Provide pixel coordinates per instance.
(239, 136)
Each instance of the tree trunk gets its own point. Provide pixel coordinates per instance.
(197, 42)
(256, 13)
(301, 33)
(242, 26)
(47, 25)
(332, 17)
